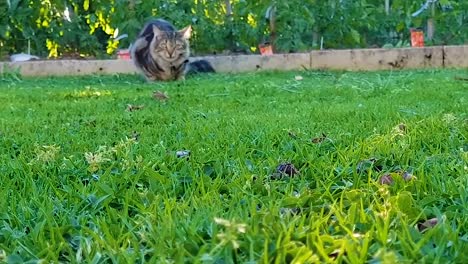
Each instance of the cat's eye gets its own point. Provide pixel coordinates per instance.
(179, 45)
(163, 45)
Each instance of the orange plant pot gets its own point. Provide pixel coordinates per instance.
(417, 38)
(123, 54)
(265, 49)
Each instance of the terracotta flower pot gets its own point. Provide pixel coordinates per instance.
(417, 38)
(266, 49)
(123, 54)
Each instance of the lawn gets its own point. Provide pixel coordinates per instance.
(294, 167)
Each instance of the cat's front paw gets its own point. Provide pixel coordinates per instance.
(150, 79)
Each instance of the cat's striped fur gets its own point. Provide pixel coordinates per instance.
(162, 53)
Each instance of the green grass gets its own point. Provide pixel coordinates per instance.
(77, 187)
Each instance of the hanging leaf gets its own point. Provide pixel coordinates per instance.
(356, 36)
(86, 5)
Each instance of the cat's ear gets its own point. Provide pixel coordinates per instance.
(157, 32)
(186, 32)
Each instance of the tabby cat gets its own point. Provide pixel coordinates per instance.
(161, 52)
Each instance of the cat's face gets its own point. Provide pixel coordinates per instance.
(171, 46)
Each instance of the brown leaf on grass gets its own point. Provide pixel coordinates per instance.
(160, 96)
(407, 176)
(386, 179)
(402, 127)
(399, 129)
(427, 224)
(132, 108)
(319, 139)
(287, 169)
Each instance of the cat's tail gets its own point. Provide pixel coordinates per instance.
(200, 66)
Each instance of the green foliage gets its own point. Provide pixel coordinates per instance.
(299, 25)
(452, 24)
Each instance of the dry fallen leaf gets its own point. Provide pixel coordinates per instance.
(402, 127)
(319, 139)
(427, 224)
(183, 153)
(287, 168)
(386, 179)
(132, 108)
(160, 96)
(399, 129)
(407, 176)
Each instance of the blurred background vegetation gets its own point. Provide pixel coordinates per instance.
(91, 28)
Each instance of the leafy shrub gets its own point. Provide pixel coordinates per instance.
(90, 28)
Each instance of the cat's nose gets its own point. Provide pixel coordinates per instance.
(170, 53)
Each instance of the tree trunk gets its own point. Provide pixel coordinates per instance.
(273, 28)
(431, 24)
(229, 24)
(228, 9)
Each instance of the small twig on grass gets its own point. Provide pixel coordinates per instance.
(459, 78)
(160, 96)
(219, 94)
(131, 108)
(289, 90)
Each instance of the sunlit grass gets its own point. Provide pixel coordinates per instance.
(90, 169)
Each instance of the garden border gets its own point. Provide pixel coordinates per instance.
(353, 59)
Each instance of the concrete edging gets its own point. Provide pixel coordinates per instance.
(456, 56)
(354, 59)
